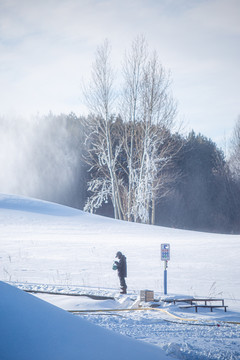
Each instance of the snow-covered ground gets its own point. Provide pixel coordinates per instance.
(49, 247)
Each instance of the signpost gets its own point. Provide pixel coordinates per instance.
(165, 256)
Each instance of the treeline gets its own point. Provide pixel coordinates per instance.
(195, 188)
(206, 197)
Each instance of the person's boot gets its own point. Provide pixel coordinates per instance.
(123, 291)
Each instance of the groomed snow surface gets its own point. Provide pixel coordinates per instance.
(49, 247)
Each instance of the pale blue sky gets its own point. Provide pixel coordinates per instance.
(47, 48)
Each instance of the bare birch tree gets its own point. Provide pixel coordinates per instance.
(148, 104)
(100, 97)
(129, 158)
(133, 73)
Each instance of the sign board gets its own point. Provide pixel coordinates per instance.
(165, 252)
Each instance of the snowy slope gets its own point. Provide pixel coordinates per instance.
(51, 247)
(33, 329)
(48, 243)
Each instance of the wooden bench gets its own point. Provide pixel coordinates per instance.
(204, 306)
(194, 303)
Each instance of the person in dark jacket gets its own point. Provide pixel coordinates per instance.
(122, 271)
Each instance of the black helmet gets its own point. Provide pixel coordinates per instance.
(118, 254)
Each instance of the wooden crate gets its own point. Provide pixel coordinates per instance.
(146, 295)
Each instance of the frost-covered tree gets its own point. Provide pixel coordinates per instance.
(129, 154)
(131, 109)
(100, 98)
(148, 105)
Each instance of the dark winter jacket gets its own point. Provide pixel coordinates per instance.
(122, 266)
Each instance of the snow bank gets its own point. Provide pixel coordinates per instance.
(33, 329)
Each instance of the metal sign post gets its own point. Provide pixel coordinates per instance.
(165, 256)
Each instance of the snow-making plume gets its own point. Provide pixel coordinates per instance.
(37, 159)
